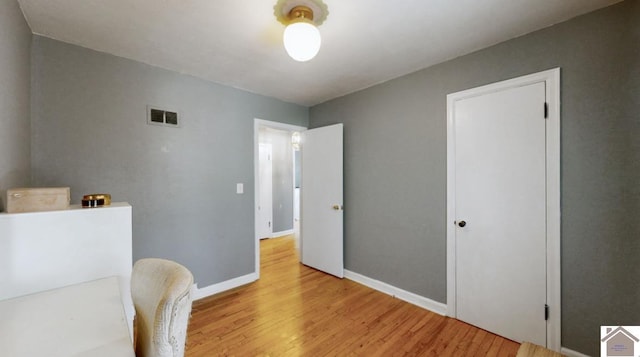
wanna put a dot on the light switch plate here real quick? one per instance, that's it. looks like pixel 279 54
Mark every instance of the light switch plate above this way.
pixel 239 188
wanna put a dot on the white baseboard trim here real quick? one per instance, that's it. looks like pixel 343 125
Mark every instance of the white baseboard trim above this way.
pixel 223 286
pixel 420 301
pixel 571 353
pixel 281 233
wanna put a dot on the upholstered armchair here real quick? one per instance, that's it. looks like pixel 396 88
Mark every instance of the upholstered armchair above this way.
pixel 161 293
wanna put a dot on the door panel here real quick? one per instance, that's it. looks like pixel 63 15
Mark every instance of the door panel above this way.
pixel 500 184
pixel 321 199
pixel 265 205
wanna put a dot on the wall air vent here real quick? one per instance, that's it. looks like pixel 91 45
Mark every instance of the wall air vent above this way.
pixel 164 117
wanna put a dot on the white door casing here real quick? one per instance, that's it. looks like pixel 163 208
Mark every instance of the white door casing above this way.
pixel 322 199
pixel 265 204
pixel 503 181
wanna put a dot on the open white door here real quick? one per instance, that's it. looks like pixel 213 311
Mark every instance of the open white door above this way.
pixel 321 200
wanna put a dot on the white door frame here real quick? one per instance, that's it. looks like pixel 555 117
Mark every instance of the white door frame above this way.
pixel 257 124
pixel 552 79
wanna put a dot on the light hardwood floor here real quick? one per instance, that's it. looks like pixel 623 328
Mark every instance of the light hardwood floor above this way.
pixel 294 310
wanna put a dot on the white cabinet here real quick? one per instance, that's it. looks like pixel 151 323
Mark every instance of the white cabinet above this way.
pixel 47 250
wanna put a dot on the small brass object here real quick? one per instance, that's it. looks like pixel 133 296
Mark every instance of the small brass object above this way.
pixel 98 196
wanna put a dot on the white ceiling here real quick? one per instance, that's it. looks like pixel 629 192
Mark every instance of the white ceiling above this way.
pixel 238 42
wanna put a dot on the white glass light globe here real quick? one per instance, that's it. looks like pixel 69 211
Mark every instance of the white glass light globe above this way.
pixel 302 41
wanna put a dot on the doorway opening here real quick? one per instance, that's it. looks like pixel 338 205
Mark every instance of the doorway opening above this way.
pixel 276 203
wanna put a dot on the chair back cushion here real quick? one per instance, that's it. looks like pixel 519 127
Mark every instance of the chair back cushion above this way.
pixel 161 294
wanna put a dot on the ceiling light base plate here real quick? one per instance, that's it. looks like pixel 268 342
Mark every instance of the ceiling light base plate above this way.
pixel 283 8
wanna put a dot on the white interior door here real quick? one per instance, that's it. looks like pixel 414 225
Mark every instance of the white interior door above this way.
pixel 265 204
pixel 321 199
pixel 500 212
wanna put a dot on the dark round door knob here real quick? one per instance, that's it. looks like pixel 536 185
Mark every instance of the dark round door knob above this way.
pixel 462 223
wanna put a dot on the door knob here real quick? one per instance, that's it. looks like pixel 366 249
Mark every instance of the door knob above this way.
pixel 337 207
pixel 462 223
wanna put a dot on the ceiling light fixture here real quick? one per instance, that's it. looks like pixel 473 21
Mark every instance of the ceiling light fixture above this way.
pixel 296 139
pixel 301 36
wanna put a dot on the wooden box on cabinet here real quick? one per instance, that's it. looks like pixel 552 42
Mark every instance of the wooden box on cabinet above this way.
pixel 38 199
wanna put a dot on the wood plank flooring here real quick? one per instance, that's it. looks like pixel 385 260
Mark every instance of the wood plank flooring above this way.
pixel 294 310
pixel 528 349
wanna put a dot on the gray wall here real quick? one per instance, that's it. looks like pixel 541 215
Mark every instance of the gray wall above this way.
pixel 395 167
pixel 282 180
pixel 15 44
pixel 90 133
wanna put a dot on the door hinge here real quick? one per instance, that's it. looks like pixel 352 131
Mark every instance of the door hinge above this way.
pixel 546 110
pixel 269 224
pixel 546 312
